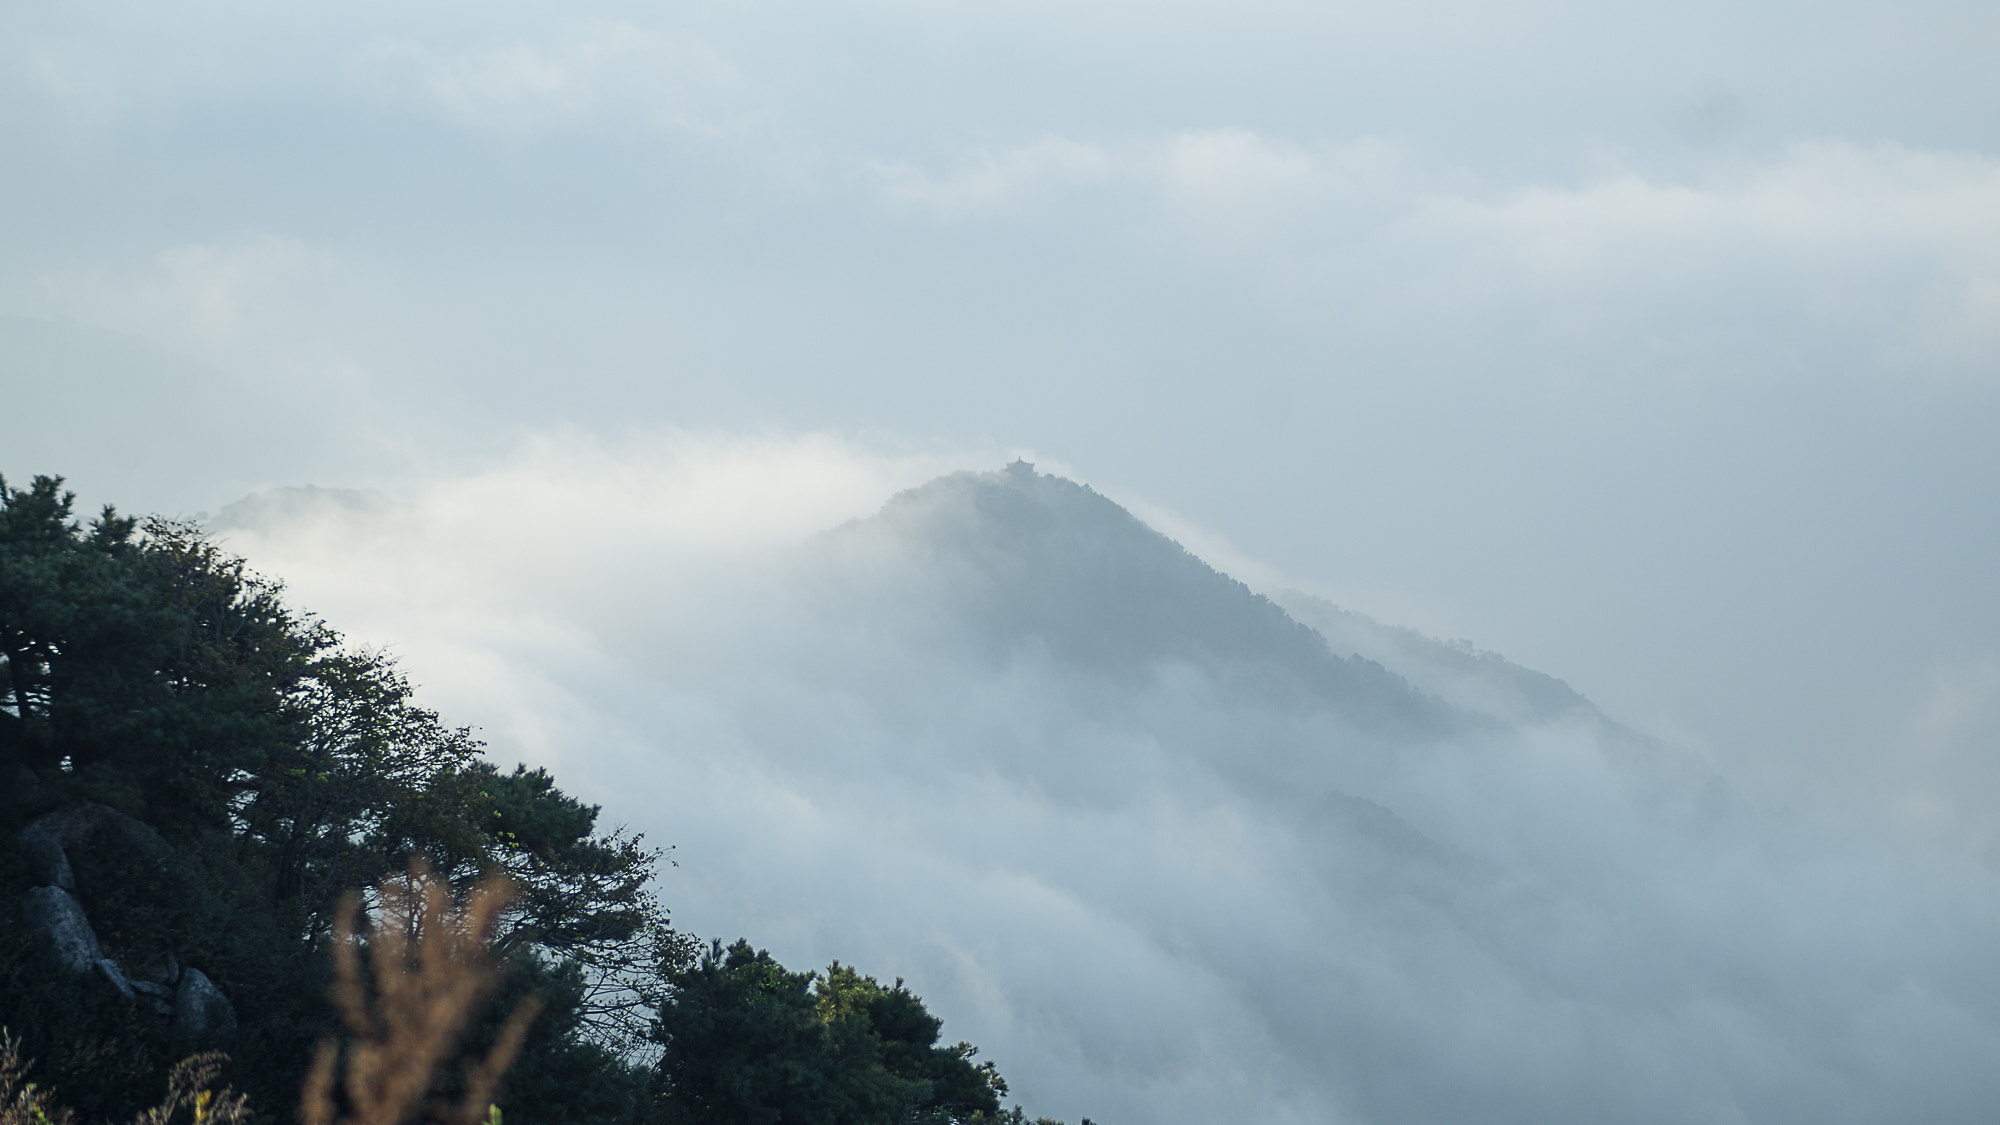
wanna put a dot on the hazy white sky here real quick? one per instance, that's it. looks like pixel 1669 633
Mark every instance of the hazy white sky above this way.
pixel 1657 346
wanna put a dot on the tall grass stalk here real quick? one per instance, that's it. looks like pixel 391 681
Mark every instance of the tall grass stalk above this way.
pixel 430 968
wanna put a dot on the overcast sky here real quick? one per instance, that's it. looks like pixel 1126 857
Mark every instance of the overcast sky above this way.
pixel 1656 346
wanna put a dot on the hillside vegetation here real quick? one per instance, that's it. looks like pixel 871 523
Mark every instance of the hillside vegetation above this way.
pixel 195 773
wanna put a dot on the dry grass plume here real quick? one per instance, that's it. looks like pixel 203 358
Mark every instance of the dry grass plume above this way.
pixel 430 968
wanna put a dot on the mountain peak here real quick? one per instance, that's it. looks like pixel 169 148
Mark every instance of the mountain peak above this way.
pixel 1040 564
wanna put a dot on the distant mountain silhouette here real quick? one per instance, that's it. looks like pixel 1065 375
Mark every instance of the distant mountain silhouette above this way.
pixel 1038 563
pixel 275 507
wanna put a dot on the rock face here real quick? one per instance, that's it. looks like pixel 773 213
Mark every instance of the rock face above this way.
pixel 200 1008
pixel 47 860
pixel 186 996
pixel 55 912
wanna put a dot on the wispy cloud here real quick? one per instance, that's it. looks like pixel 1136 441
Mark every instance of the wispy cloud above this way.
pixel 1894 248
pixel 590 73
pixel 1234 188
pixel 1908 240
pixel 995 181
pixel 211 297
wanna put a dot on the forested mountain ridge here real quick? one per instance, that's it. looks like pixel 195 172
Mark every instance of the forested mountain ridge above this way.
pixel 194 773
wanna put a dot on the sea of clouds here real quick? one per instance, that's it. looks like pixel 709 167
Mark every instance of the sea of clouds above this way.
pixel 1151 889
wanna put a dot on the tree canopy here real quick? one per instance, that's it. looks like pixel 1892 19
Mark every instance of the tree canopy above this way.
pixel 748 1042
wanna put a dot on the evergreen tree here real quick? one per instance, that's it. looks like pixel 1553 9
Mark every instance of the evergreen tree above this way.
pixel 748 1042
pixel 256 768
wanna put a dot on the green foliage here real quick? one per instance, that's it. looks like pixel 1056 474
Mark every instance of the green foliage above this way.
pixel 366 780
pixel 748 1042
pixel 259 768
pixel 564 1074
pixel 269 768
pixel 149 672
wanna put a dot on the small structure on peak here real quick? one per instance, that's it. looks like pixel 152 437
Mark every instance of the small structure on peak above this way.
pixel 1020 469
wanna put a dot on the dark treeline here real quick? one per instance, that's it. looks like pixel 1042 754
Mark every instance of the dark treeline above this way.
pixel 194 774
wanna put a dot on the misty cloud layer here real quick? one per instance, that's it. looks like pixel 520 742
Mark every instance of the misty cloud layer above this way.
pixel 1137 831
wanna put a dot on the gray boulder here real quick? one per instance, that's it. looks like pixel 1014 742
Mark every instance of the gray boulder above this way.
pixel 54 910
pixel 48 862
pixel 57 914
pixel 200 1008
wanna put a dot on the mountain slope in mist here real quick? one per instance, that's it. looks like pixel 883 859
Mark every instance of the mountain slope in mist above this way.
pixel 1483 682
pixel 1173 852
pixel 1042 566
pixel 1019 569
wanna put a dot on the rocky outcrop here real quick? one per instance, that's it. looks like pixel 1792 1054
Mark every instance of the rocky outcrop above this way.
pixel 55 912
pixel 200 1008
pixel 48 860
pixel 195 1006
